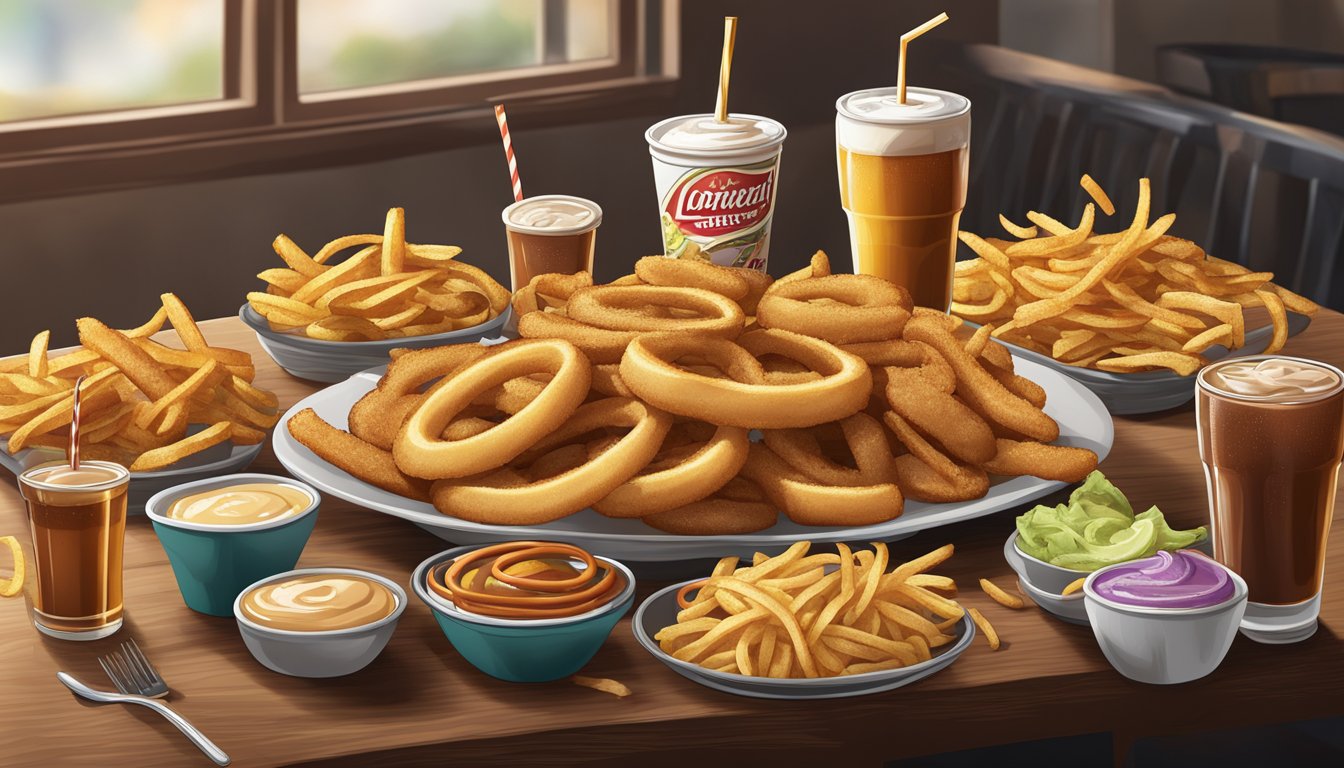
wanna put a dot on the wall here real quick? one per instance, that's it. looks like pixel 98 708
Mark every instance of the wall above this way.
pixel 109 255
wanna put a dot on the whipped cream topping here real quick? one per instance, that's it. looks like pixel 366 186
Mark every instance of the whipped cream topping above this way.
pixel 703 132
pixel 1272 379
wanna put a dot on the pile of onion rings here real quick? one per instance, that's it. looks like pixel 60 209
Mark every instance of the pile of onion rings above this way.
pixel 636 399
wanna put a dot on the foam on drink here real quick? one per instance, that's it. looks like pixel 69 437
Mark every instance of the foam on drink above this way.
pixel 550 233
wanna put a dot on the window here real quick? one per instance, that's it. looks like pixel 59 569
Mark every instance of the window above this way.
pixel 61 58
pixel 83 77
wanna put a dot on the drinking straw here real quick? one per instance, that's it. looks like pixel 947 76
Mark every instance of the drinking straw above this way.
pixel 503 121
pixel 905 40
pixel 725 68
pixel 74 425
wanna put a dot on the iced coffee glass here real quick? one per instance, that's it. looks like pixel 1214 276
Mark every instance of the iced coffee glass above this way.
pixel 902 171
pixel 78 521
pixel 1271 440
pixel 550 233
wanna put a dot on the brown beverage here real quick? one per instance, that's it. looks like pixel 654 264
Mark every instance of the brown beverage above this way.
pixel 78 519
pixel 904 212
pixel 1271 435
pixel 550 233
pixel 903 173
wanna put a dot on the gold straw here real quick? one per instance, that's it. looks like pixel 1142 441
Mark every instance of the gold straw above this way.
pixel 905 40
pixel 726 68
pixel 74 424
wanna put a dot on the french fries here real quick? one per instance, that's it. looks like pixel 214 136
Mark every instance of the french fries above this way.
pixel 823 615
pixel 1136 300
pixel 14 584
pixel 141 399
pixel 389 288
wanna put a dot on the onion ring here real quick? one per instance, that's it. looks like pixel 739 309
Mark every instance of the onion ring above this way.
pixel 637 308
pixel 679 273
pixel 736 508
pixel 509 496
pixel 862 308
pixel 600 345
pixel 865 438
pixel 525 596
pixel 922 482
pixel 376 417
pixel 981 391
pixel 548 291
pixel 942 417
pixel 808 503
pixel 679 476
pixel 745 400
pixel 418 449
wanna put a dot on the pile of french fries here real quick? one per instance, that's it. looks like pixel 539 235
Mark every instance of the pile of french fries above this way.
pixel 142 403
pixel 820 615
pixel 1134 300
pixel 389 288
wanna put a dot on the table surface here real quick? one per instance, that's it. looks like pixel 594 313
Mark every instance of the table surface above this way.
pixel 420 703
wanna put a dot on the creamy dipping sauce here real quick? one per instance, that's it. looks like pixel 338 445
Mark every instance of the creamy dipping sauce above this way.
pixel 318 602
pixel 241 504
pixel 1179 579
pixel 1273 380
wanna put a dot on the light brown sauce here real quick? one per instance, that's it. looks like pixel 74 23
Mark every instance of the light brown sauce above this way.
pixel 317 602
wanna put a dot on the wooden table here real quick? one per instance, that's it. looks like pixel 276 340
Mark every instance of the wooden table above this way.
pixel 422 704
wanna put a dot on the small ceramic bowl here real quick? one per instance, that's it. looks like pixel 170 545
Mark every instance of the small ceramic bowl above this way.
pixel 1164 645
pixel 1042 575
pixel 524 650
pixel 214 563
pixel 326 653
pixel 333 361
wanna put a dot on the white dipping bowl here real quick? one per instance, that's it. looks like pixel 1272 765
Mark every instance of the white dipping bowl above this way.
pixel 325 653
pixel 1164 646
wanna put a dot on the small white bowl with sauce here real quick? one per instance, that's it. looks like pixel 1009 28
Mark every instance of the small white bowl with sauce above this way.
pixel 319 622
pixel 219 546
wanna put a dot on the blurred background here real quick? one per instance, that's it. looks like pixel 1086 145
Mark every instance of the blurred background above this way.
pixel 161 145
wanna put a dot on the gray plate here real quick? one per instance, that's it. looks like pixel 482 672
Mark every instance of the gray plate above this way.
pixel 222 459
pixel 332 361
pixel 1152 391
pixel 660 610
pixel 1083 422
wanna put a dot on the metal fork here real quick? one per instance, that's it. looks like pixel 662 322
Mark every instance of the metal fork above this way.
pixel 139 683
pixel 132 673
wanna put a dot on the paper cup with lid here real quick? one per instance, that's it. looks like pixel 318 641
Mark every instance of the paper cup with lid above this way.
pixel 716 186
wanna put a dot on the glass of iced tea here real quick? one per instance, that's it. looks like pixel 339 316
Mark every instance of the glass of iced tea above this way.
pixel 78 520
pixel 1271 435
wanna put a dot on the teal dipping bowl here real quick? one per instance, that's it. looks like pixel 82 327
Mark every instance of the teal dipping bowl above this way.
pixel 524 650
pixel 214 563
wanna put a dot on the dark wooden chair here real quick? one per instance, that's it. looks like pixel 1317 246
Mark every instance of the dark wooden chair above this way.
pixel 1262 193
pixel 1287 84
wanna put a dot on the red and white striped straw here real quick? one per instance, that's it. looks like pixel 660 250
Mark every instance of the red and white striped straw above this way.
pixel 503 121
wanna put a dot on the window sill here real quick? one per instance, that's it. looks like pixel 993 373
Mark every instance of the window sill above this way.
pixel 314 144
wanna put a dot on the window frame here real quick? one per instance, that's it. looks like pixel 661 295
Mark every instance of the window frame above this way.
pixel 262 126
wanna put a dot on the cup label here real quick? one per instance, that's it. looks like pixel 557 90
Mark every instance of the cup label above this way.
pixel 721 215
